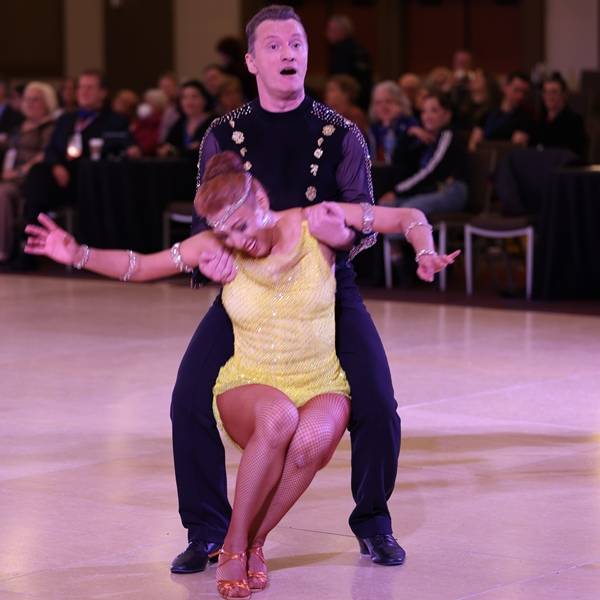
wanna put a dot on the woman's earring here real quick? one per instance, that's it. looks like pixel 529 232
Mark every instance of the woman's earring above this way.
pixel 266 218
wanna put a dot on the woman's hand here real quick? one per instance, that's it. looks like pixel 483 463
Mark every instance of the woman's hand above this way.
pixel 421 134
pixel 430 264
pixel 51 241
pixel 218 265
pixel 326 222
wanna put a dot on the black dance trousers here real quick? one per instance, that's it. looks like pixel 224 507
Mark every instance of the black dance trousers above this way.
pixel 374 422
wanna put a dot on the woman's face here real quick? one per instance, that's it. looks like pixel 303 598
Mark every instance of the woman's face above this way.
pixel 434 116
pixel 34 105
pixel 385 107
pixel 245 229
pixel 334 96
pixel 192 102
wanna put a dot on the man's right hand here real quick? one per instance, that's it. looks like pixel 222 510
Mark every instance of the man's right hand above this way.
pixel 217 265
pixel 61 175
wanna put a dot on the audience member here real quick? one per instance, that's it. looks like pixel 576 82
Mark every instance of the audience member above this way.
pixel 348 57
pixel 341 93
pixel 51 184
pixel 391 118
pixel 213 77
pixel 462 65
pixel 10 119
pixel 410 84
pixel 125 103
pixel 185 136
pixel 439 170
pixel 232 53
pixel 483 96
pixel 230 95
pixel 145 129
pixel 15 98
pixel 559 126
pixel 25 149
pixel 510 121
pixel 169 85
pixel 67 95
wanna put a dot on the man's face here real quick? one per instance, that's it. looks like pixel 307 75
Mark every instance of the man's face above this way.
pixel 516 91
pixel 553 96
pixel 279 59
pixel 90 94
pixel 168 85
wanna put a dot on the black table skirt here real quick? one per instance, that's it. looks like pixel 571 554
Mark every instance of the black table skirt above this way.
pixel 568 232
pixel 121 202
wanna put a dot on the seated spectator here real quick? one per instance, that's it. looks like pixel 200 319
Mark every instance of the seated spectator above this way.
pixel 462 65
pixel 441 79
pixel 348 57
pixel 185 136
pixel 51 183
pixel 145 129
pixel 125 103
pixel 15 97
pixel 438 182
pixel 213 77
pixel 232 51
pixel 483 96
pixel 410 84
pixel 10 119
pixel 341 93
pixel 67 96
pixel 26 146
pixel 169 86
pixel 510 121
pixel 559 125
pixel 230 95
pixel 391 119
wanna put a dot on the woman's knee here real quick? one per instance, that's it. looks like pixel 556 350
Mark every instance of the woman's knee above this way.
pixel 276 419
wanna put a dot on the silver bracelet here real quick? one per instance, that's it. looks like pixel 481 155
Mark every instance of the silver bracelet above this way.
pixel 86 256
pixel 368 216
pixel 421 253
pixel 131 268
pixel 414 224
pixel 178 260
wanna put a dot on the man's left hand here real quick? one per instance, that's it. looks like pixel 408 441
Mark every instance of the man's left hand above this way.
pixel 326 222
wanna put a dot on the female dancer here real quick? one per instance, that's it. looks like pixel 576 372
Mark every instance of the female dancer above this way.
pixel 282 397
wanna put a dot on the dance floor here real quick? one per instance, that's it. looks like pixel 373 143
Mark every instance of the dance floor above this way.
pixel 498 490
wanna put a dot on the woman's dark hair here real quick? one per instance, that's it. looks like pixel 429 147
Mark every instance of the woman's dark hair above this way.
pixel 444 100
pixel 199 87
pixel 556 77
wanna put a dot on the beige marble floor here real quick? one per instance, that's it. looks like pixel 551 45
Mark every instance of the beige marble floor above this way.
pixel 498 492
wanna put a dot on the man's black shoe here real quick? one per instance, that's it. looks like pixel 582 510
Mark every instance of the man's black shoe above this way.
pixel 195 557
pixel 383 549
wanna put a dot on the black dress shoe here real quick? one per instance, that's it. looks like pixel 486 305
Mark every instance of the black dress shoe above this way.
pixel 383 549
pixel 195 557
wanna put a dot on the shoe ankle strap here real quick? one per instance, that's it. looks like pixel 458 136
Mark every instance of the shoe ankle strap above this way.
pixel 231 555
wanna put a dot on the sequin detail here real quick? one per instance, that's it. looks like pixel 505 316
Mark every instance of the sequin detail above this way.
pixel 282 310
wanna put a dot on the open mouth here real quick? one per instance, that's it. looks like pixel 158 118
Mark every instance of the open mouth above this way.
pixel 250 246
pixel 288 71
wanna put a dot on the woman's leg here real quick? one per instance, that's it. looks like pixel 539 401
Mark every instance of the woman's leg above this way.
pixel 262 420
pixel 322 423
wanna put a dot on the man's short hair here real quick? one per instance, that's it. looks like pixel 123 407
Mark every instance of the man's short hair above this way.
pixel 556 77
pixel 275 12
pixel 518 75
pixel 99 75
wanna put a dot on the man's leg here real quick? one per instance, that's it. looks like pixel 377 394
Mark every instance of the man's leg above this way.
pixel 374 423
pixel 197 448
pixel 451 198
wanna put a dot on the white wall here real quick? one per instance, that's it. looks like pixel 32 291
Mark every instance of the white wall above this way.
pixel 199 24
pixel 84 35
pixel 572 37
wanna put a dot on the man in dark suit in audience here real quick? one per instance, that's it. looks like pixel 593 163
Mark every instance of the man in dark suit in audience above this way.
pixel 10 119
pixel 51 183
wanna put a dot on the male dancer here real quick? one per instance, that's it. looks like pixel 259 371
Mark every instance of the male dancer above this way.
pixel 303 153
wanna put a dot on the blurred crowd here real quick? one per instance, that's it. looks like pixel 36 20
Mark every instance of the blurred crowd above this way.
pixel 423 125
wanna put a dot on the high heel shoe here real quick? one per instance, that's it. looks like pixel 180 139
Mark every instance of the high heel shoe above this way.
pixel 233 589
pixel 257 580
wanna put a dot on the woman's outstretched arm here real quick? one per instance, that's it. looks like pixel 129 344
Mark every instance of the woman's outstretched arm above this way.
pixel 409 221
pixel 48 239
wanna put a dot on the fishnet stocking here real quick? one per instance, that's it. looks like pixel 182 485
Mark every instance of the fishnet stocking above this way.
pixel 322 423
pixel 262 420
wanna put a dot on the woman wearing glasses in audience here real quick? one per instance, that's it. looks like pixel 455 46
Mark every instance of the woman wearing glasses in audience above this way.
pixel 283 396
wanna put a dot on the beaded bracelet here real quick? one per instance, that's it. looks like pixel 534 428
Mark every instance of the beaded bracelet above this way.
pixel 86 256
pixel 368 216
pixel 131 268
pixel 178 260
pixel 421 253
pixel 414 224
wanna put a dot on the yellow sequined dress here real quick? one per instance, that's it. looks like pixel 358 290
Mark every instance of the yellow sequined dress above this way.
pixel 282 311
